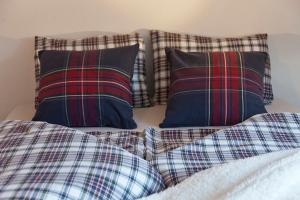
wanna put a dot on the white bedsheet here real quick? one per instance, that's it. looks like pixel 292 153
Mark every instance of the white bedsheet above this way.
pixel 144 117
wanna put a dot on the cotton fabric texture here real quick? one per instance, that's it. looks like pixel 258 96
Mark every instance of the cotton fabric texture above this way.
pixel 214 88
pixel 138 80
pixel 49 161
pixel 87 88
pixel 197 43
pixel 260 134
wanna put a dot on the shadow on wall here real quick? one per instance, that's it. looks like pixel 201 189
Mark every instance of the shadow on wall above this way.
pixel 16 73
pixel 17 83
pixel 285 61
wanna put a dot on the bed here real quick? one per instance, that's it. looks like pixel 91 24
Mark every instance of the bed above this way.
pixel 249 155
pixel 184 160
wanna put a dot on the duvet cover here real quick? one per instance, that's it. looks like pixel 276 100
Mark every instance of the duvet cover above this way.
pixel 45 161
pixel 258 135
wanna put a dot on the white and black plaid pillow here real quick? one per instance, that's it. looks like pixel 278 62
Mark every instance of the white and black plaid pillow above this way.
pixel 193 43
pixel 139 87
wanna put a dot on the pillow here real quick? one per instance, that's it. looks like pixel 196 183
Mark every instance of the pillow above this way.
pixel 193 43
pixel 138 81
pixel 87 88
pixel 214 88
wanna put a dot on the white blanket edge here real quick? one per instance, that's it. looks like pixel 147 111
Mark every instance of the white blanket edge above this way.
pixel 269 176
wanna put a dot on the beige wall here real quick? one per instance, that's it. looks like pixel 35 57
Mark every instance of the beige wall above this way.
pixel 20 20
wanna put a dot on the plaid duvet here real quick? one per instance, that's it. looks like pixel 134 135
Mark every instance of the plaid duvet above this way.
pixel 193 43
pixel 158 142
pixel 44 161
pixel 131 141
pixel 258 135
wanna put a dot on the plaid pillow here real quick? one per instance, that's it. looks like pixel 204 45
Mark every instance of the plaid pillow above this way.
pixel 87 88
pixel 138 81
pixel 193 43
pixel 214 88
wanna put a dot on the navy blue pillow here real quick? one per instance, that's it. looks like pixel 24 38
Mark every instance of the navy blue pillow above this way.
pixel 214 88
pixel 87 88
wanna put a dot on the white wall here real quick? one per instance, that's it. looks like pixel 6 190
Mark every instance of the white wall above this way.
pixel 20 20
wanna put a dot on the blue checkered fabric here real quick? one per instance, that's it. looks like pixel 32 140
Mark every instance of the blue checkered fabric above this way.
pixel 157 142
pixel 44 161
pixel 131 141
pixel 258 135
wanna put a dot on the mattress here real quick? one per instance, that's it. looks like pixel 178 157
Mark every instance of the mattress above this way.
pixel 144 117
